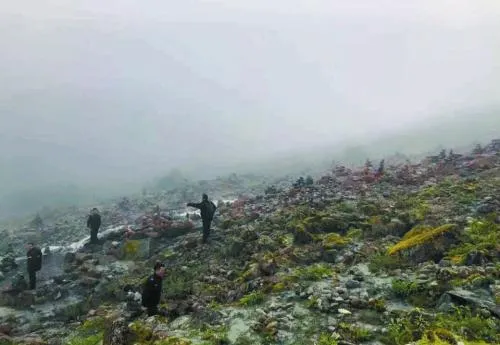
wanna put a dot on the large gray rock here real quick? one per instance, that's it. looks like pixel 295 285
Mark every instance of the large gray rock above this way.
pixel 117 333
pixel 21 300
pixel 461 296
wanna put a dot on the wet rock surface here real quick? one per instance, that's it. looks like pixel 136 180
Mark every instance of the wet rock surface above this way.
pixel 407 255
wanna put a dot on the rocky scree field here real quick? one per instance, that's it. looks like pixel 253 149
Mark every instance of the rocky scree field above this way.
pixel 410 256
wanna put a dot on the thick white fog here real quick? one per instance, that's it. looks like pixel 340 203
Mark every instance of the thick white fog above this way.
pixel 109 91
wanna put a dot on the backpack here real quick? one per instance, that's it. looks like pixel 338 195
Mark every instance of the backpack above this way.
pixel 211 209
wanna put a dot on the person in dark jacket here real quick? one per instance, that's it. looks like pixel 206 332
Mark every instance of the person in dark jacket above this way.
pixel 151 292
pixel 34 263
pixel 207 210
pixel 94 223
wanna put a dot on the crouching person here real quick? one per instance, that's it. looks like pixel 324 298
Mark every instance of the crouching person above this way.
pixel 151 293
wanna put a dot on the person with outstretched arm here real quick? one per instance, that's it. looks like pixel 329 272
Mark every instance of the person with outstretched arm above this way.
pixel 207 210
pixel 151 293
pixel 34 263
pixel 94 223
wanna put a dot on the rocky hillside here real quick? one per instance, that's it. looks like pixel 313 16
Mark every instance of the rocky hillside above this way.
pixel 408 254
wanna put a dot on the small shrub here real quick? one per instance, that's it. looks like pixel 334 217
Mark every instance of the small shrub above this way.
pixel 406 328
pixel 475 280
pixel 443 329
pixel 354 333
pixel 470 325
pixel 326 339
pixel 312 302
pixel 369 208
pixel 334 240
pixel 313 273
pixel 382 262
pixel 251 299
pixel 217 335
pixel 286 240
pixel 354 234
pixel 94 324
pixel 404 288
pixel 377 305
pixel 420 211
pixel 141 331
pixel 481 235
pixel 176 286
pixel 279 287
pixel 180 284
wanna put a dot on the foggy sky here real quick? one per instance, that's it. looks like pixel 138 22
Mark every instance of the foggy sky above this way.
pixel 92 89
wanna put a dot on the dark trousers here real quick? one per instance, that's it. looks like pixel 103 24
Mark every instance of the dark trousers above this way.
pixel 32 277
pixel 93 236
pixel 206 229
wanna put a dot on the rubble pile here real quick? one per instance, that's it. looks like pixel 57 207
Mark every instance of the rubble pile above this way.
pixel 393 254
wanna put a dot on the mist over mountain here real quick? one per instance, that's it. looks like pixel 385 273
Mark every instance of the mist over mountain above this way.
pixel 97 99
pixel 57 188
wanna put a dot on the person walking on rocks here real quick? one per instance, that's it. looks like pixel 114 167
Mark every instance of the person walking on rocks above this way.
pixel 207 210
pixel 34 263
pixel 94 223
pixel 151 293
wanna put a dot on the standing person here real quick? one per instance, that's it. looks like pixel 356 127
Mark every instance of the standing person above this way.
pixel 94 223
pixel 34 263
pixel 207 210
pixel 151 293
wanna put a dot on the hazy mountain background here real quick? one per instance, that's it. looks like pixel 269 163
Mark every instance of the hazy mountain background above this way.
pixel 99 98
pixel 457 131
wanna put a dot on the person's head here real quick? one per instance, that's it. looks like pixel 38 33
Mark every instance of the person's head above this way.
pixel 95 210
pixel 29 245
pixel 159 269
pixel 204 197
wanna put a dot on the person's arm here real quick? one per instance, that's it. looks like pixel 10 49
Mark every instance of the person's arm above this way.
pixel 195 205
pixel 88 221
pixel 98 221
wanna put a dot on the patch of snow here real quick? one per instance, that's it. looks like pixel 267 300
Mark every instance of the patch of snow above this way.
pixel 186 211
pixel 73 247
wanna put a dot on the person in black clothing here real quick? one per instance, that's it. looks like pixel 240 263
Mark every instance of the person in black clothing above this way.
pixel 34 263
pixel 94 223
pixel 207 210
pixel 151 292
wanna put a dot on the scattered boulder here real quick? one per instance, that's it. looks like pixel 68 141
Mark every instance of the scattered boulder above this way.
pixel 21 300
pixel 461 296
pixel 117 333
pixel 477 258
